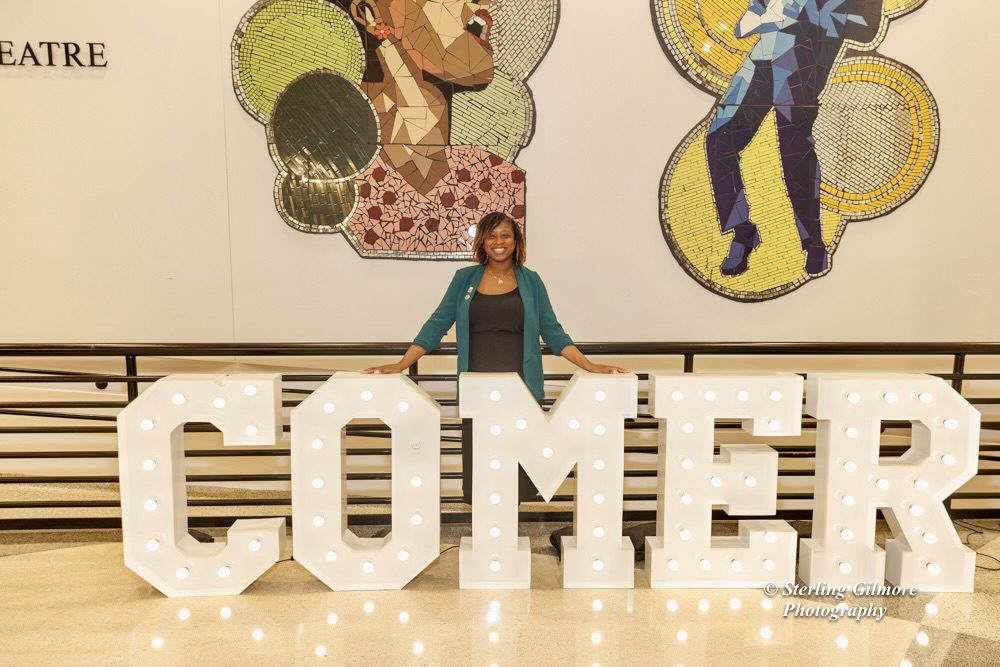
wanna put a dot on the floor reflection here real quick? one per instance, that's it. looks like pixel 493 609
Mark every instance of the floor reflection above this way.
pixel 82 605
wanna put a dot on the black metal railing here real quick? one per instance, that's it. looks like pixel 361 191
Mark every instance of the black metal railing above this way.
pixel 949 361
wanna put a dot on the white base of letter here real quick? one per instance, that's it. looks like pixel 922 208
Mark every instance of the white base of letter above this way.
pixel 580 567
pixel 514 571
pixel 903 565
pixel 763 552
pixel 867 565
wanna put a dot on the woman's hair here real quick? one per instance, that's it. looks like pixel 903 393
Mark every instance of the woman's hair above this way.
pixel 485 227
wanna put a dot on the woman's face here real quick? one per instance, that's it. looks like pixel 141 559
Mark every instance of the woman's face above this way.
pixel 449 39
pixel 500 243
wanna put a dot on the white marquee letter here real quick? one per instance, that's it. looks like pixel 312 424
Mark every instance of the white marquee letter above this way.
pixel 585 428
pixel 324 544
pixel 247 409
pixel 851 482
pixel 743 479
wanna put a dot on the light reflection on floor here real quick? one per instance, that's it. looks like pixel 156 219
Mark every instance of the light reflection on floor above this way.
pixel 80 605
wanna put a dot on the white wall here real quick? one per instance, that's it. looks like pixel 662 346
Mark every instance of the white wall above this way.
pixel 113 182
pixel 135 202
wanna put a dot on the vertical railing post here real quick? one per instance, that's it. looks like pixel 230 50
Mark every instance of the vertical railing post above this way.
pixel 131 370
pixel 958 367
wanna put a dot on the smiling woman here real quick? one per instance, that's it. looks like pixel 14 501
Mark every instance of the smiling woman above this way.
pixel 408 138
pixel 500 309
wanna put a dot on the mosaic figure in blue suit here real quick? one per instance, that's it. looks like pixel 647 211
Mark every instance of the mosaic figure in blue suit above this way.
pixel 787 71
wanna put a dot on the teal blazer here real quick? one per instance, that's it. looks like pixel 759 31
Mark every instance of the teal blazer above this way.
pixel 539 320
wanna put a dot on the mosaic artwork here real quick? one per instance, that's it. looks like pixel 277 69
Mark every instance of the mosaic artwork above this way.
pixel 812 129
pixel 394 122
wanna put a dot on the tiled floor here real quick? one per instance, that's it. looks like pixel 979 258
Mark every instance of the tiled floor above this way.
pixel 79 605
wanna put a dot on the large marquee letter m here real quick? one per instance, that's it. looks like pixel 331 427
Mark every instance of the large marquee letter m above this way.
pixel 586 429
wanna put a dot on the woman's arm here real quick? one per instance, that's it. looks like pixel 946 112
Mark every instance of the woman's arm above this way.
pixel 573 353
pixel 548 325
pixel 560 342
pixel 430 334
pixel 413 353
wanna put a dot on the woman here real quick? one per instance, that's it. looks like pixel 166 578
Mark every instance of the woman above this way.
pixel 420 196
pixel 500 309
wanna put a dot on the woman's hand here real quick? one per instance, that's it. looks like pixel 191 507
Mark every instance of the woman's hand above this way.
pixel 413 353
pixel 573 354
pixel 607 369
pixel 388 369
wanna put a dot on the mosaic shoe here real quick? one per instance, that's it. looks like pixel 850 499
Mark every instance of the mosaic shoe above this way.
pixel 817 260
pixel 745 240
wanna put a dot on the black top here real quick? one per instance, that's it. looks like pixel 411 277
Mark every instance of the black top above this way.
pixel 496 345
pixel 496 333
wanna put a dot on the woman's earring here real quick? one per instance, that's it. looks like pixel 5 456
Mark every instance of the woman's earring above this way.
pixel 382 31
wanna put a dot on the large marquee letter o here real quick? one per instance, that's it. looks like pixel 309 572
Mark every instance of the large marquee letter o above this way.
pixel 323 543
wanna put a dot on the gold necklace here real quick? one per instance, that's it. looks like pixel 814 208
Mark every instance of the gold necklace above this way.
pixel 496 277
